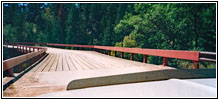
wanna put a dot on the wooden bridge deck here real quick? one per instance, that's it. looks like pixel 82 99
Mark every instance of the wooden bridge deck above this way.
pixel 62 66
pixel 76 60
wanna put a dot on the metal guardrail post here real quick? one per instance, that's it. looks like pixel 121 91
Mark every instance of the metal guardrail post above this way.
pixel 109 52
pixel 132 56
pixel 165 61
pixel 195 65
pixel 145 58
pixel 115 53
pixel 122 55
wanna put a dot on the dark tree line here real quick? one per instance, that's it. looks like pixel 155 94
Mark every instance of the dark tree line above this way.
pixel 180 26
pixel 63 23
pixel 161 26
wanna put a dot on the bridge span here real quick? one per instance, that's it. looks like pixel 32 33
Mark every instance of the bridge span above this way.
pixel 61 66
pixel 55 68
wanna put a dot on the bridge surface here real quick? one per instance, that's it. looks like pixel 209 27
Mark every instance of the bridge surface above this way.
pixel 61 66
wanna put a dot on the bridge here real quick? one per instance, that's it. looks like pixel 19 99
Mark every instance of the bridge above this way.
pixel 44 67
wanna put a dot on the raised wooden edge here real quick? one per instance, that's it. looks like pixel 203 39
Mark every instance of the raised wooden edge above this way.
pixel 142 77
pixel 10 63
pixel 22 73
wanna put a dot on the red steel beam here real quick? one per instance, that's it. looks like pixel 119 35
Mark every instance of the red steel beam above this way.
pixel 179 54
pixel 70 45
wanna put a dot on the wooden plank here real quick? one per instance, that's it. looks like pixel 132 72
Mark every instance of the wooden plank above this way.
pixel 121 62
pixel 47 67
pixel 40 69
pixel 75 62
pixel 101 60
pixel 55 63
pixel 80 62
pixel 59 66
pixel 10 63
pixel 89 65
pixel 70 64
pixel 108 61
pixel 92 62
pixel 65 65
pixel 141 77
pixel 40 64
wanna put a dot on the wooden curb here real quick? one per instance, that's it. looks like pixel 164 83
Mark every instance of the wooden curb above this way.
pixel 22 73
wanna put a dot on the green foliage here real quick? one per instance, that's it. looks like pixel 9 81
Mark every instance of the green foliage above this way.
pixel 9 33
pixel 128 42
pixel 189 64
pixel 177 26
pixel 119 44
pixel 169 26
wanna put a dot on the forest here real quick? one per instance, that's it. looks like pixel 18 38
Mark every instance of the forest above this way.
pixel 171 26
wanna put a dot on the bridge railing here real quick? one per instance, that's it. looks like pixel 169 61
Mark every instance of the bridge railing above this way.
pixel 186 55
pixel 194 56
pixel 32 53
pixel 70 45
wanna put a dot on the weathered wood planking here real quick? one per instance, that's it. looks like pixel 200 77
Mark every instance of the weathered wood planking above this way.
pixel 47 68
pixel 54 64
pixel 44 64
pixel 40 64
pixel 70 63
pixel 76 60
pixel 59 66
pixel 77 63
pixel 65 65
